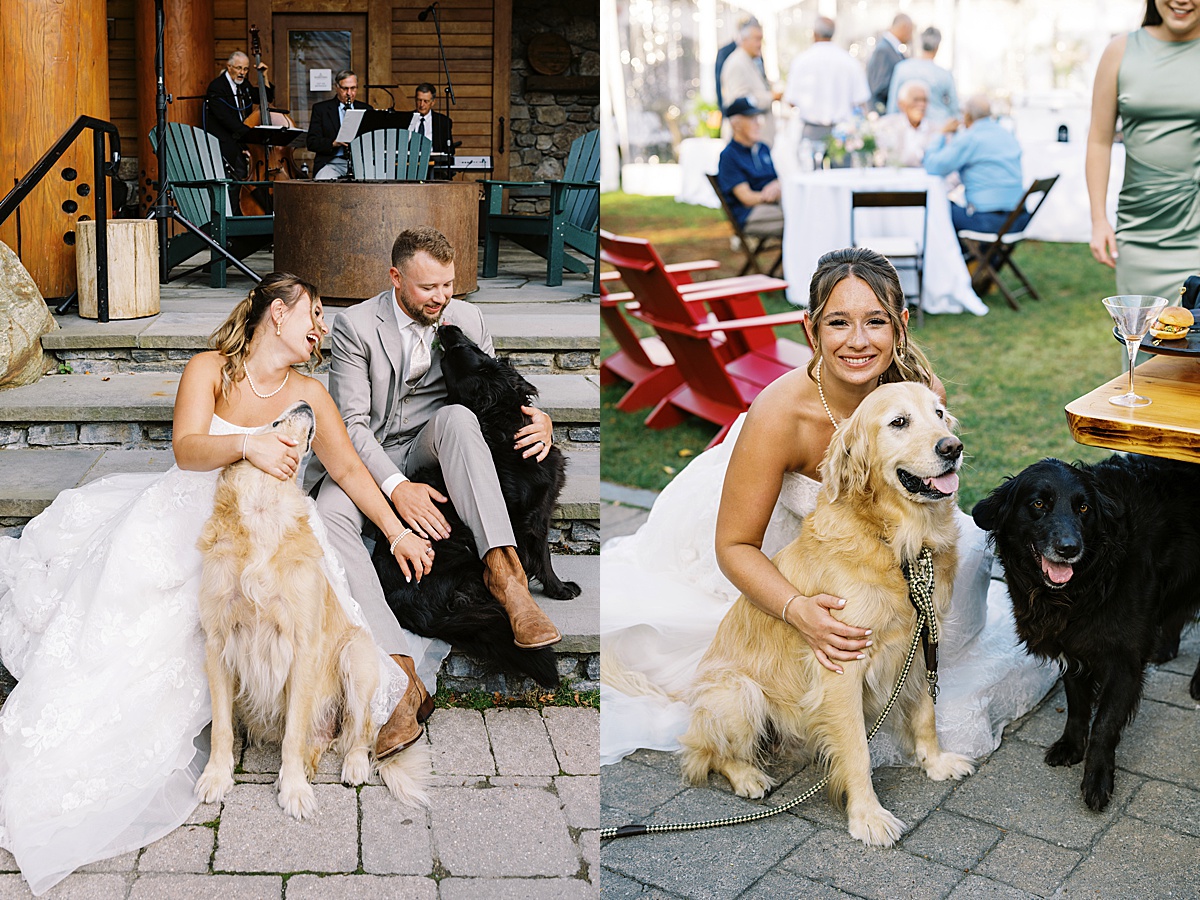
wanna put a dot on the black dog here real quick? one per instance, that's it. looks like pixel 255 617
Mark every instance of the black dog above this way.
pixel 451 602
pixel 1103 572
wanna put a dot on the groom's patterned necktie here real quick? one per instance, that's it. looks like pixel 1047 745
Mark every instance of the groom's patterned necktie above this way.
pixel 418 357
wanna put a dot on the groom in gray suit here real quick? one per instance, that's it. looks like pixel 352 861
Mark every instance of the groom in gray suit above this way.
pixel 386 379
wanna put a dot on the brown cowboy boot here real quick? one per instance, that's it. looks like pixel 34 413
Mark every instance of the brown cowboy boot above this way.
pixel 506 580
pixel 404 728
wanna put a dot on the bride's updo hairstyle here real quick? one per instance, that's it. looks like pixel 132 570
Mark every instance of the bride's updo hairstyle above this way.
pixel 233 337
pixel 908 362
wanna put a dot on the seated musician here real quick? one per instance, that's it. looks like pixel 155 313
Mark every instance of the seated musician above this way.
pixel 229 100
pixel 333 157
pixel 433 125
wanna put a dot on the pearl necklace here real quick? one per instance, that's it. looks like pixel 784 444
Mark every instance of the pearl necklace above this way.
pixel 820 391
pixel 250 381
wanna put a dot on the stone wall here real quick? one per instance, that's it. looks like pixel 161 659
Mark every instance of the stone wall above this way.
pixel 542 124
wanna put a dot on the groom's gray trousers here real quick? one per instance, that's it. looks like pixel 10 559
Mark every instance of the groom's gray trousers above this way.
pixel 451 439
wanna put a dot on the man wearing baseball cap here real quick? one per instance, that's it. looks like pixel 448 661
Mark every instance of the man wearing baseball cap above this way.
pixel 746 174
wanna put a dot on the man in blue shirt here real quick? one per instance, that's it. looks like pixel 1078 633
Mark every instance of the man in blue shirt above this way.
pixel 988 160
pixel 746 174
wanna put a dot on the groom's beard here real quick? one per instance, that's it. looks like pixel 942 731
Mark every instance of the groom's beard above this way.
pixel 417 311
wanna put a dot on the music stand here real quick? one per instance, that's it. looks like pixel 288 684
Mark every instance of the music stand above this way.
pixel 273 135
pixel 162 210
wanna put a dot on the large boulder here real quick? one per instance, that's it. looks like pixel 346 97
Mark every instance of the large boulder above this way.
pixel 24 318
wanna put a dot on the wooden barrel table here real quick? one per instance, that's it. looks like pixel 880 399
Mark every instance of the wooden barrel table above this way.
pixel 339 234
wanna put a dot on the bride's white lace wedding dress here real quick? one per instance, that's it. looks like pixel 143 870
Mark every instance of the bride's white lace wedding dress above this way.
pixel 103 738
pixel 663 596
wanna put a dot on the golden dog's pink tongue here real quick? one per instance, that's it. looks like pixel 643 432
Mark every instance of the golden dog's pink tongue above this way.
pixel 1059 573
pixel 946 484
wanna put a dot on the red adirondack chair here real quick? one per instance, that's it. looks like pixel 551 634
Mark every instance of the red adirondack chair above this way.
pixel 645 363
pixel 723 344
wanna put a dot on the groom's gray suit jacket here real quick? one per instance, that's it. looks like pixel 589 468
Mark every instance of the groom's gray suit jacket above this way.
pixel 367 381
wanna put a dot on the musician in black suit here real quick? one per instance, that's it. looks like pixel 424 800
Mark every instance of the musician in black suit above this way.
pixel 333 157
pixel 433 125
pixel 228 101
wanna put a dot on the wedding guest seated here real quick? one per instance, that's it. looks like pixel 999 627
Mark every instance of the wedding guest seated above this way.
pixel 746 174
pixel 905 136
pixel 987 159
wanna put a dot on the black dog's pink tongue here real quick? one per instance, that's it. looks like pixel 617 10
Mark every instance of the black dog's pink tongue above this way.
pixel 946 484
pixel 1059 573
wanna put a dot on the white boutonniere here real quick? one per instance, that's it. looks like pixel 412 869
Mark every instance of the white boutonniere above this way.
pixel 437 340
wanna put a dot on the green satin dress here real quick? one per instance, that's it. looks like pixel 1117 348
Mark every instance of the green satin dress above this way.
pixel 1158 213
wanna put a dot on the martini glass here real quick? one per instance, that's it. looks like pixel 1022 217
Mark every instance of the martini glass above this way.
pixel 1133 314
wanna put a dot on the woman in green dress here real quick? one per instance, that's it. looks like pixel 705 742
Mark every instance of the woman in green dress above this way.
pixel 1147 77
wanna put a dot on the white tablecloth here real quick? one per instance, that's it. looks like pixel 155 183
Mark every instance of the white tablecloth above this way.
pixel 698 157
pixel 816 208
pixel 1066 216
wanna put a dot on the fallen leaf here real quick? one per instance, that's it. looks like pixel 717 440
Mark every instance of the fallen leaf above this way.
pixel 685 453
pixel 670 470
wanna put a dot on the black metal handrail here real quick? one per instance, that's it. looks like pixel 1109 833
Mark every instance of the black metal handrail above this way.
pixel 42 168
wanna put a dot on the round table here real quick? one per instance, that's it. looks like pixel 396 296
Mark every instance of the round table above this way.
pixel 816 212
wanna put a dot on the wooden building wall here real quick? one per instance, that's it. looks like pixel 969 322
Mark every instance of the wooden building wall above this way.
pixel 478 36
pixel 122 76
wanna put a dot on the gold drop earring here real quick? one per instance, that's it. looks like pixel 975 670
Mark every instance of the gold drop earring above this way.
pixel 278 328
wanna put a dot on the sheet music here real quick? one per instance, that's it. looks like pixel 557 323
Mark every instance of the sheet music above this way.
pixel 350 126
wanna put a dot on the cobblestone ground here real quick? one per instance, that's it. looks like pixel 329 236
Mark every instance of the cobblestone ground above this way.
pixel 1015 829
pixel 515 808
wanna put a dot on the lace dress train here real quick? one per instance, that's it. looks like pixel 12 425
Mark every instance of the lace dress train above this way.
pixel 663 596
pixel 103 738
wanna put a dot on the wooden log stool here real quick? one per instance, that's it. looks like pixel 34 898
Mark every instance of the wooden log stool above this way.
pixel 132 269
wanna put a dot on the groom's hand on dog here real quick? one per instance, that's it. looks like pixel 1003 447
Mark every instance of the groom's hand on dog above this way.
pixel 414 503
pixel 535 438
pixel 829 638
pixel 275 454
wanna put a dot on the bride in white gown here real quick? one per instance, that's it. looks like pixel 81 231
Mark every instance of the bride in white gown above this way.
pixel 103 738
pixel 711 533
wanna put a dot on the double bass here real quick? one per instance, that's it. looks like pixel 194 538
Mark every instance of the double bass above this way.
pixel 267 162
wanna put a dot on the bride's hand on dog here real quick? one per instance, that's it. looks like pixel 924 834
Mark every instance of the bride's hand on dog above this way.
pixel 414 555
pixel 829 638
pixel 274 454
pixel 414 503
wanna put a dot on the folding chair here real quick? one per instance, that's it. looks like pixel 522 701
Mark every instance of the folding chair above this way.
pixel 988 253
pixel 751 245
pixel 903 250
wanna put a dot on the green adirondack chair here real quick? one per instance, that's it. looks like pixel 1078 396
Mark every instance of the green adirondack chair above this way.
pixel 200 189
pixel 391 154
pixel 573 220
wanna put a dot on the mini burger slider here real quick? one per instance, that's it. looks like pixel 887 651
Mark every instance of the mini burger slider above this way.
pixel 1172 324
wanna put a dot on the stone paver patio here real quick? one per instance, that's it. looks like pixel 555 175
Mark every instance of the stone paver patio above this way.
pixel 1016 829
pixel 515 813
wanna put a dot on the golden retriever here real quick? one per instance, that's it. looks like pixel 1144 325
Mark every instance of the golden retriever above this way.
pixel 889 478
pixel 278 643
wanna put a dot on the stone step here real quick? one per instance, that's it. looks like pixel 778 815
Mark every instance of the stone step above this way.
pixel 134 410
pixel 577 620
pixel 535 337
pixel 31 479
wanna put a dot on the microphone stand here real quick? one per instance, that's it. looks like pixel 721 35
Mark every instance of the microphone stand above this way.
pixel 449 96
pixel 162 211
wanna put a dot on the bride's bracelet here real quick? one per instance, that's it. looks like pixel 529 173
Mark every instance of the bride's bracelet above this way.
pixel 397 539
pixel 787 603
pixel 245 438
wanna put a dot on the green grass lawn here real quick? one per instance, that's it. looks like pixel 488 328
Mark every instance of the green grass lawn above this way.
pixel 1008 374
